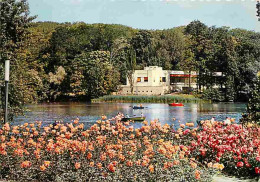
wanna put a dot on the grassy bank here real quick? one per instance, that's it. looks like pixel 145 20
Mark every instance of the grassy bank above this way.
pixel 149 99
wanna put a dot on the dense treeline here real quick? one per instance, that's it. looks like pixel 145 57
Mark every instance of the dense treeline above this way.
pixel 52 61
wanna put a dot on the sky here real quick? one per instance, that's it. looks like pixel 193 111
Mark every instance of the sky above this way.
pixel 149 14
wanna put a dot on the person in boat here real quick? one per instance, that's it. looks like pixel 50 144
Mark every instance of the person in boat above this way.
pixel 212 120
pixel 227 121
pixel 142 115
pixel 141 105
pixel 56 123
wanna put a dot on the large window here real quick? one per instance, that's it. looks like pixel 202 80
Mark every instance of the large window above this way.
pixel 162 79
pixel 138 79
pixel 145 79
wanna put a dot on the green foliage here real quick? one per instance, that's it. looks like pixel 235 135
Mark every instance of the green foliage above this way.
pixel 86 51
pixel 253 106
pixel 99 76
pixel 14 23
pixel 213 94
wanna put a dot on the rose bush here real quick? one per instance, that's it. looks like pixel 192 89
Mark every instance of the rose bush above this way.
pixel 107 151
pixel 236 146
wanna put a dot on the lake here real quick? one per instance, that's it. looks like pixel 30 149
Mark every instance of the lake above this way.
pixel 90 112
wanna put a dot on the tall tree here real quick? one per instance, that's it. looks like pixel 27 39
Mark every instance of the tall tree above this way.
pixel 201 47
pixel 189 64
pixel 141 43
pixel 99 76
pixel 131 66
pixel 14 21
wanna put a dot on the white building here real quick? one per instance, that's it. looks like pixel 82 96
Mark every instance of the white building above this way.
pixel 153 80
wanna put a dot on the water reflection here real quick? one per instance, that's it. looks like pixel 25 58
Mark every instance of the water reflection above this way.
pixel 90 112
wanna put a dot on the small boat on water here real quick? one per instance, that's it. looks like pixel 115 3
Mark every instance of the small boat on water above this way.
pixel 176 104
pixel 138 119
pixel 138 107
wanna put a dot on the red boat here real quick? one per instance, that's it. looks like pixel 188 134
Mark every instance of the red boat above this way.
pixel 176 104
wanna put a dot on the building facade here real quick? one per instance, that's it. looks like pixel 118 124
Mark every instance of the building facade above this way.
pixel 153 80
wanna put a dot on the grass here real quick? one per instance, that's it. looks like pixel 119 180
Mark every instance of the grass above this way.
pixel 149 99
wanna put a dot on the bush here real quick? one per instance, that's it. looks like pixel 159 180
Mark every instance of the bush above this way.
pixel 253 106
pixel 149 99
pixel 213 94
pixel 235 146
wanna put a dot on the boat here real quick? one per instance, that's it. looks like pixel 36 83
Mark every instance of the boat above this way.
pixel 176 104
pixel 139 119
pixel 138 107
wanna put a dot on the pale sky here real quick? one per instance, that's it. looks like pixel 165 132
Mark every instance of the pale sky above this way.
pixel 150 14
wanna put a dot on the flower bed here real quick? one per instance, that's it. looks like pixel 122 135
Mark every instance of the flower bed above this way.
pixel 105 152
pixel 235 146
pixel 115 151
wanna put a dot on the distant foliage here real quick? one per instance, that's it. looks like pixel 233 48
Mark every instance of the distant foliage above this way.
pixel 85 51
pixel 149 99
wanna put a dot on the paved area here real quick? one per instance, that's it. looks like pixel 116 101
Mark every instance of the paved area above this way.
pixel 221 178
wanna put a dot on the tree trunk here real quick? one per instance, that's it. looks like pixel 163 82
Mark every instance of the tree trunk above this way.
pixel 130 78
pixel 189 78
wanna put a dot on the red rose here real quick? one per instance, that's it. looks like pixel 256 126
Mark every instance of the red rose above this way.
pixel 240 164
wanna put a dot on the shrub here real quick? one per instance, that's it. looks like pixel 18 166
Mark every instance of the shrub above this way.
pixel 213 94
pixel 155 99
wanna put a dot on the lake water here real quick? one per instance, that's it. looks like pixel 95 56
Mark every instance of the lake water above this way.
pixel 90 112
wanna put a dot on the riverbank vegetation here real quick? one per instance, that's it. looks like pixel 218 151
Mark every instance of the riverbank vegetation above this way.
pixel 115 151
pixel 59 61
pixel 150 99
pixel 253 106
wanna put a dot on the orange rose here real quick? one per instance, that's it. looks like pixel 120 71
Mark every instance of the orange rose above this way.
pixel 197 174
pixel 77 165
pixel 42 168
pixel 99 165
pixel 47 163
pixel 111 168
pixel 89 155
pixel 151 168
pixel 129 163
pixel 91 164
pixel 26 164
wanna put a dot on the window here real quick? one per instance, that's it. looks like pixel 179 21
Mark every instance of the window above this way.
pixel 138 79
pixel 162 79
pixel 145 79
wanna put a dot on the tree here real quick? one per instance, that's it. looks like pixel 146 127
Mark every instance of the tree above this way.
pixel 14 21
pixel 100 78
pixel 167 48
pixel 55 81
pixel 201 48
pixel 141 43
pixel 253 106
pixel 130 66
pixel 123 54
pixel 188 64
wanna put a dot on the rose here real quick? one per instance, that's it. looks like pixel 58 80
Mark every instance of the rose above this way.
pixel 257 170
pixel 240 164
